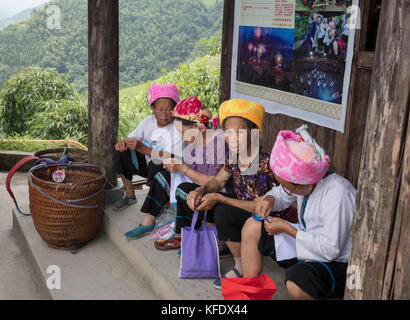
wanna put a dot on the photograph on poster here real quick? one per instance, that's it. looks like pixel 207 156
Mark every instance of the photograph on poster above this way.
pixel 295 56
pixel 320 50
pixel 265 57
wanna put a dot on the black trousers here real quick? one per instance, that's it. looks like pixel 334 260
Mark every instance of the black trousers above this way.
pixel 229 220
pixel 321 280
pixel 266 247
pixel 132 162
pixel 158 180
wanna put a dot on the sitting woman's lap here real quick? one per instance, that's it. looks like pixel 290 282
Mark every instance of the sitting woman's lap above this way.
pixel 185 214
pixel 229 222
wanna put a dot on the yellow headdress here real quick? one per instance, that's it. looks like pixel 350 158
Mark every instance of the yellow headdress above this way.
pixel 242 108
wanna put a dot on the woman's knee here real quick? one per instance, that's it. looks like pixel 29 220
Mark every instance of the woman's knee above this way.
pixel 251 230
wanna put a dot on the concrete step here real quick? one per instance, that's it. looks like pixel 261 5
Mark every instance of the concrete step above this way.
pixel 161 268
pixel 96 271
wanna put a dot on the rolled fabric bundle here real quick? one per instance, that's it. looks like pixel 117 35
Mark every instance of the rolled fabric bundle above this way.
pixel 297 161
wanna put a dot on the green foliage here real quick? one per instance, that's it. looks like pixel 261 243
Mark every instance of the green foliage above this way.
pixel 24 95
pixel 61 119
pixel 47 107
pixel 212 45
pixel 199 79
pixel 154 35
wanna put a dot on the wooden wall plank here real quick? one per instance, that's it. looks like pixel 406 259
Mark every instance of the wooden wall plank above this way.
pixel 377 232
pixel 401 266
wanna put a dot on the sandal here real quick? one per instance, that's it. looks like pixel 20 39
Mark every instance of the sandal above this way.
pixel 161 241
pixel 169 244
pixel 217 283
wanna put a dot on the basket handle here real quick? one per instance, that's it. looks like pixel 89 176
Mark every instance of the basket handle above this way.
pixel 10 175
pixel 68 202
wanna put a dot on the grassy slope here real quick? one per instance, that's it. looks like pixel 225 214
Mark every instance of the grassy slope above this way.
pixel 128 95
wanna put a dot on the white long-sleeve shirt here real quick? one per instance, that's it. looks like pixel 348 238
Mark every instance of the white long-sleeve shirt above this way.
pixel 328 216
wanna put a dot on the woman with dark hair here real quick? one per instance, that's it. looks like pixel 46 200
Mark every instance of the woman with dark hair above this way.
pixel 321 240
pixel 248 167
pixel 134 152
pixel 191 119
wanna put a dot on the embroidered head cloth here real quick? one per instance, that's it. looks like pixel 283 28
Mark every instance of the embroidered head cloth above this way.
pixel 242 108
pixel 156 91
pixel 192 109
pixel 297 161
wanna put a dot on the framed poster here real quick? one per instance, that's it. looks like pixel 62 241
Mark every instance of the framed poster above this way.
pixel 294 57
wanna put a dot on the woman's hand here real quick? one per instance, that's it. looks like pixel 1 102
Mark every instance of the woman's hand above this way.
pixel 132 143
pixel 174 165
pixel 209 201
pixel 264 206
pixel 194 198
pixel 127 143
pixel 121 146
pixel 275 226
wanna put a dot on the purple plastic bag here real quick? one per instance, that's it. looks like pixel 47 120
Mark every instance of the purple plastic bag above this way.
pixel 199 251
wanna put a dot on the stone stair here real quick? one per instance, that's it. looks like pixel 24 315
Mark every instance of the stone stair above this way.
pixel 112 267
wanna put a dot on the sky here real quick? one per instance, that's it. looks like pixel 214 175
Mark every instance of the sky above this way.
pixel 11 7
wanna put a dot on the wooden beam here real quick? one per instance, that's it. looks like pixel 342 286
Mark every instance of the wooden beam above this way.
pixel 226 55
pixel 380 232
pixel 103 84
pixel 364 60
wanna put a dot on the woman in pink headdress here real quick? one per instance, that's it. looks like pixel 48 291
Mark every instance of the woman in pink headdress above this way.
pixel 318 247
pixel 134 153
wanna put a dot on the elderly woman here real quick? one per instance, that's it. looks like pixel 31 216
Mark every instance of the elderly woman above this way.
pixel 325 207
pixel 250 173
pixel 191 119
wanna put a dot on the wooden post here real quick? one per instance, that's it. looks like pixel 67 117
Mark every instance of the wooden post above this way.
pixel 381 229
pixel 226 56
pixel 103 84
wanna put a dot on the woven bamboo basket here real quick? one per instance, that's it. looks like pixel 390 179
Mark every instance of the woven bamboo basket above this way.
pixel 67 215
pixel 55 154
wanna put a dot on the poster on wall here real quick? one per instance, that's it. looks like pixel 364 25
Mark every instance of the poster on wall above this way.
pixel 295 56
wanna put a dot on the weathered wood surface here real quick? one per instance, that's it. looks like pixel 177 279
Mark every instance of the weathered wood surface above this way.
pixel 103 84
pixel 226 55
pixel 380 235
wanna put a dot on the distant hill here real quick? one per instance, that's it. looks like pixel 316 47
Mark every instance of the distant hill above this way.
pixel 155 36
pixel 19 17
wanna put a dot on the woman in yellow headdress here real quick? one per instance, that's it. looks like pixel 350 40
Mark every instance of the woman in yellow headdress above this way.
pixel 247 168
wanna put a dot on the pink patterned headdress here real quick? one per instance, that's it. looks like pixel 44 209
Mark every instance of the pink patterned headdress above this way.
pixel 156 91
pixel 287 156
